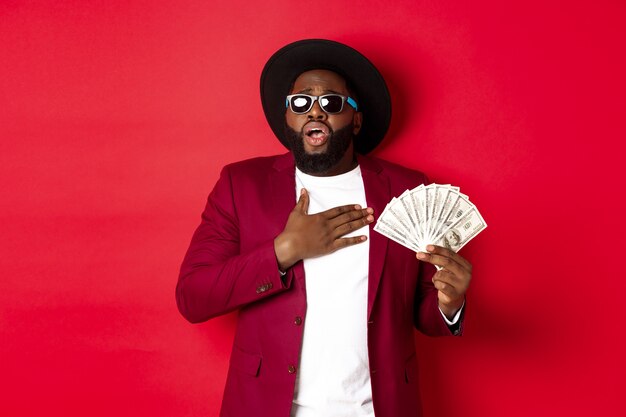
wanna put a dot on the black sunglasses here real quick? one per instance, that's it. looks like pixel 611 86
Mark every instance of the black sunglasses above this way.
pixel 330 103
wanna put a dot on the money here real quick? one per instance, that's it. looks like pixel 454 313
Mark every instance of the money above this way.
pixel 437 214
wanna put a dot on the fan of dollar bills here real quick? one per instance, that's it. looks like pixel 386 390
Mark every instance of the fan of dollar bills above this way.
pixel 431 214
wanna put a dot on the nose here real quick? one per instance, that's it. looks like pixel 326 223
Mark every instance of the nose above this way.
pixel 316 112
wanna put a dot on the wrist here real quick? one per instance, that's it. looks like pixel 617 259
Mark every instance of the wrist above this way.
pixel 284 251
pixel 450 309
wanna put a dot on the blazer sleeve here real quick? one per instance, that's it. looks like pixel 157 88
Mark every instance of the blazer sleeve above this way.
pixel 215 277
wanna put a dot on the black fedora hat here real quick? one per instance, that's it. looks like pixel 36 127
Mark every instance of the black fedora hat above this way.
pixel 289 62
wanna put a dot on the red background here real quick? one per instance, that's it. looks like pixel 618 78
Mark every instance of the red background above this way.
pixel 116 117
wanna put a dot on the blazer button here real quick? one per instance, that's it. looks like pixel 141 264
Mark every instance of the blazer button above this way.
pixel 263 288
pixel 298 321
pixel 291 369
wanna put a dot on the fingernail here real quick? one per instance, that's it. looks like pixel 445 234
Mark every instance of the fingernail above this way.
pixel 302 191
pixel 421 255
pixel 370 210
pixel 430 248
pixel 358 207
pixel 370 218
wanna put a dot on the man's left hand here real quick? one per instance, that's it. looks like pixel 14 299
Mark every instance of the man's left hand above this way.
pixel 452 281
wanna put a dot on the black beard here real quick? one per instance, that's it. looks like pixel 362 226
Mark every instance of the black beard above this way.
pixel 338 143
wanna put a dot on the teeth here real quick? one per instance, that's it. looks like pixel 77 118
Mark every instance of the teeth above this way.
pixel 316 130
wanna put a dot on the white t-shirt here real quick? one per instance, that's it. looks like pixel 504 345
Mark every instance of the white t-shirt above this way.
pixel 333 376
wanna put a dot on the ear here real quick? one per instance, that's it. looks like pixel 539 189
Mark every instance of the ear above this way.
pixel 357 120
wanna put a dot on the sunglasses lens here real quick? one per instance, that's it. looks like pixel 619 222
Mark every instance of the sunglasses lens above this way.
pixel 300 104
pixel 331 103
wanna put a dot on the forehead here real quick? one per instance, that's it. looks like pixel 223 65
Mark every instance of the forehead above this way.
pixel 321 81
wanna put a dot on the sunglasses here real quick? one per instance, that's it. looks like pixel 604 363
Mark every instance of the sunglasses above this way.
pixel 330 103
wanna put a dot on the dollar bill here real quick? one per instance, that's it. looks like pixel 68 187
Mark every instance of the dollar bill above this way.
pixel 391 231
pixel 448 199
pixel 465 229
pixel 431 214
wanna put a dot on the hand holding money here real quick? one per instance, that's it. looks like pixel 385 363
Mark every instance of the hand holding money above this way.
pixel 452 280
pixel 436 221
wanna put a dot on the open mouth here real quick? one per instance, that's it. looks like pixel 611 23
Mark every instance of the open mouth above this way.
pixel 316 133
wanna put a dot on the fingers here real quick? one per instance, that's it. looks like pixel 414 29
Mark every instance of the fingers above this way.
pixel 346 228
pixel 352 220
pixel 452 281
pixel 449 284
pixel 338 211
pixel 344 242
pixel 445 258
pixel 303 202
pixel 447 292
pixel 339 214
pixel 442 261
pixel 439 250
pixel 450 292
pixel 348 222
pixel 345 219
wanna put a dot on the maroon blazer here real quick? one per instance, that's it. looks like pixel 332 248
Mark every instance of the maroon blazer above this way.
pixel 231 265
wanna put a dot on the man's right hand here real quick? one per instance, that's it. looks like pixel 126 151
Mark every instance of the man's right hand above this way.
pixel 308 236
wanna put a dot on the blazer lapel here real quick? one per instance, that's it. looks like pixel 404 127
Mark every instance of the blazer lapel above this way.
pixel 377 194
pixel 282 198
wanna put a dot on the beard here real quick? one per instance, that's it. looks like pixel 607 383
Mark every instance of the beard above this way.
pixel 317 163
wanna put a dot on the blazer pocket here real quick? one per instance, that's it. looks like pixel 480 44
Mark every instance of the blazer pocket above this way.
pixel 246 362
pixel 410 369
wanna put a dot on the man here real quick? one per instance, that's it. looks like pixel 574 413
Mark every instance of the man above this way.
pixel 326 305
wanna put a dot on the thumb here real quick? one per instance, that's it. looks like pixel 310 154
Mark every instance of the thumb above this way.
pixel 303 202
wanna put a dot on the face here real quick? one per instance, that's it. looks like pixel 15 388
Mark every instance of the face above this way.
pixel 321 142
pixel 452 238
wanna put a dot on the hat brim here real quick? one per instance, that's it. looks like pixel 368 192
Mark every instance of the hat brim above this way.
pixel 289 62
